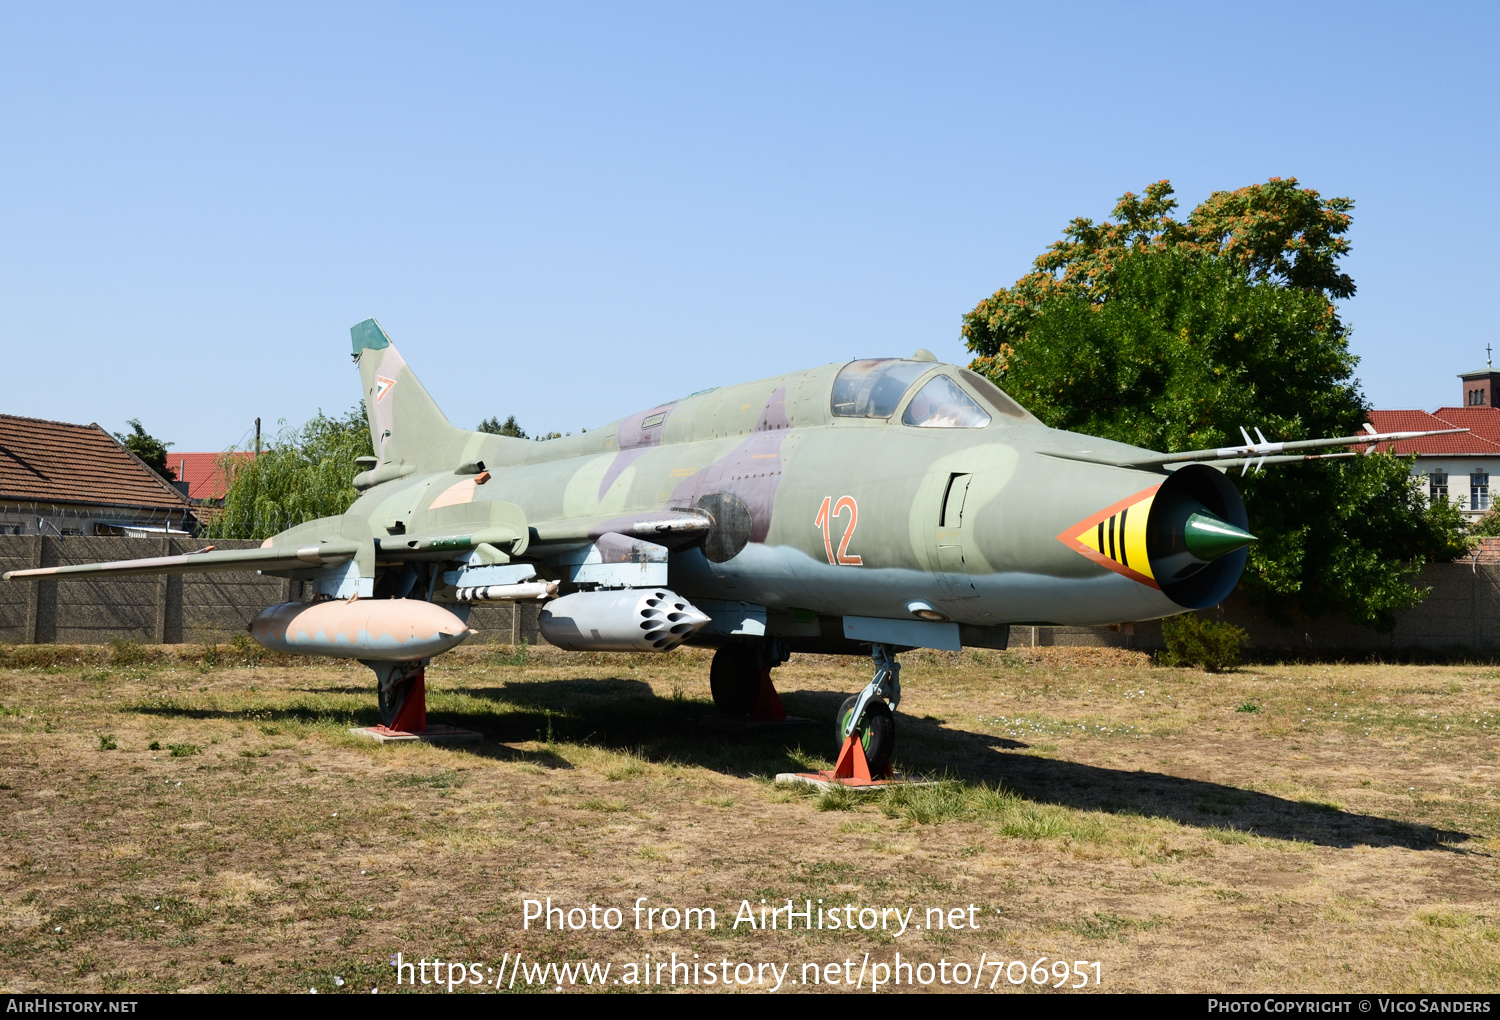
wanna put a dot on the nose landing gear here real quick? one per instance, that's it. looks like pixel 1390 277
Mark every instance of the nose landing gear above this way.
pixel 875 737
pixel 866 731
pixel 868 720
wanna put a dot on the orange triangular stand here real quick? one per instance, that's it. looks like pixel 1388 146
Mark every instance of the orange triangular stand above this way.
pixel 413 715
pixel 852 764
pixel 767 702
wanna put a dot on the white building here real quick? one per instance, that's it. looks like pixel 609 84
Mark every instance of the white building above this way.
pixel 1456 467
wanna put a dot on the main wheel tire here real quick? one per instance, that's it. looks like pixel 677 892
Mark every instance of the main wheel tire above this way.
pixel 734 679
pixel 877 733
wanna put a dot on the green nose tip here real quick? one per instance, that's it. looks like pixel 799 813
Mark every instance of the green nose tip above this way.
pixel 1208 538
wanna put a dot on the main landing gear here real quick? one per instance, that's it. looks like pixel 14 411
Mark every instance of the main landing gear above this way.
pixel 740 680
pixel 402 691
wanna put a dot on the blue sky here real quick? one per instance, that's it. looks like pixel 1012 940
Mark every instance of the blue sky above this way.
pixel 568 213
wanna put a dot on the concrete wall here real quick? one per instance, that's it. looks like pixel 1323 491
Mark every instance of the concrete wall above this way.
pixel 1462 613
pixel 162 609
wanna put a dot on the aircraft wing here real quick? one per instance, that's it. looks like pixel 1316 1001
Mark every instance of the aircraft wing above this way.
pixel 266 558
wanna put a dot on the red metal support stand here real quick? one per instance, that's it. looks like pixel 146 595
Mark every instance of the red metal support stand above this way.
pixel 767 707
pixel 412 718
pixel 852 763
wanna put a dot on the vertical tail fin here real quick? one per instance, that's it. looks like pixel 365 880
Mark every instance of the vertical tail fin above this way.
pixel 405 423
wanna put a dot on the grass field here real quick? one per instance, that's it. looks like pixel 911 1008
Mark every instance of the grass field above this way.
pixel 200 819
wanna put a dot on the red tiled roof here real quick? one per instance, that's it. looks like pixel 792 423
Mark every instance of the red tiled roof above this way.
pixel 1482 439
pixel 204 472
pixel 55 461
pixel 1484 421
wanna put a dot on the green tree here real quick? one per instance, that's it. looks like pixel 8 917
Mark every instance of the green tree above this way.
pixel 1172 335
pixel 147 447
pixel 304 474
pixel 510 427
pixel 1275 231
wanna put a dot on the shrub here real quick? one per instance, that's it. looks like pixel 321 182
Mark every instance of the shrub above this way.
pixel 1194 641
pixel 518 655
pixel 107 742
pixel 124 652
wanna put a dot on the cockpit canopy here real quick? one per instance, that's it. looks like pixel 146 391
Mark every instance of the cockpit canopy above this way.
pixel 875 387
pixel 872 388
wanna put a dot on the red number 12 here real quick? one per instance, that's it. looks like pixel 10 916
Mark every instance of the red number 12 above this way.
pixel 826 513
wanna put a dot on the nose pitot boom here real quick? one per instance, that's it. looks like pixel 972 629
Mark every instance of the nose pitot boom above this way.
pixel 1208 538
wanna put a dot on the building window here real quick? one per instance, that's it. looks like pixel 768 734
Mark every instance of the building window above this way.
pixel 1437 486
pixel 1476 398
pixel 1479 490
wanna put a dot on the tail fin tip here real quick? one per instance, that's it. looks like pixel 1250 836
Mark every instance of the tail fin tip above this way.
pixel 368 335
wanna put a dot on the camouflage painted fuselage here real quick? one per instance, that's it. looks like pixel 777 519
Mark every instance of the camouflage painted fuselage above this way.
pixel 846 515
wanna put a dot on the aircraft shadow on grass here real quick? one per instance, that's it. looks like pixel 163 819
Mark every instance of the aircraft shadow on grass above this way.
pixel 626 715
pixel 656 726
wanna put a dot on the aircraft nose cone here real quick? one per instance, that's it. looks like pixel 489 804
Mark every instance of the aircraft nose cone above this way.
pixel 692 616
pixel 1208 538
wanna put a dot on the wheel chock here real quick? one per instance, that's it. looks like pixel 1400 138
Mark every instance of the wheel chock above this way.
pixel 767 707
pixel 852 763
pixel 852 769
pixel 854 766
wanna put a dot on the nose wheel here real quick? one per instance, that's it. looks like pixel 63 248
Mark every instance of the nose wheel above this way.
pixel 868 718
pixel 876 733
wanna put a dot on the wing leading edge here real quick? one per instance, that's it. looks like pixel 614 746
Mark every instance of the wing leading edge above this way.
pixel 271 558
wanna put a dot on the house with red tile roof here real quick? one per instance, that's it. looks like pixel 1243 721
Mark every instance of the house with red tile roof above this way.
pixel 57 478
pixel 1457 467
pixel 207 475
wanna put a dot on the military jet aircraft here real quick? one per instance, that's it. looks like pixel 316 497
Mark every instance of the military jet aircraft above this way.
pixel 866 507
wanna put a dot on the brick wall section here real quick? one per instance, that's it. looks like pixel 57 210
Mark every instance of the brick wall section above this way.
pixel 1487 551
pixel 164 609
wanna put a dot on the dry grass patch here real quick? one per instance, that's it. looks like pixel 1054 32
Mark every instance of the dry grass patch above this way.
pixel 1338 837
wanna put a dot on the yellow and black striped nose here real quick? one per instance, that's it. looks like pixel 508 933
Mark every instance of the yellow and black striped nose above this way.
pixel 1181 539
pixel 1115 537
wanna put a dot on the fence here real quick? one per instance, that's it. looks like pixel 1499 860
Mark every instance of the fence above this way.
pixel 164 608
pixel 1461 613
